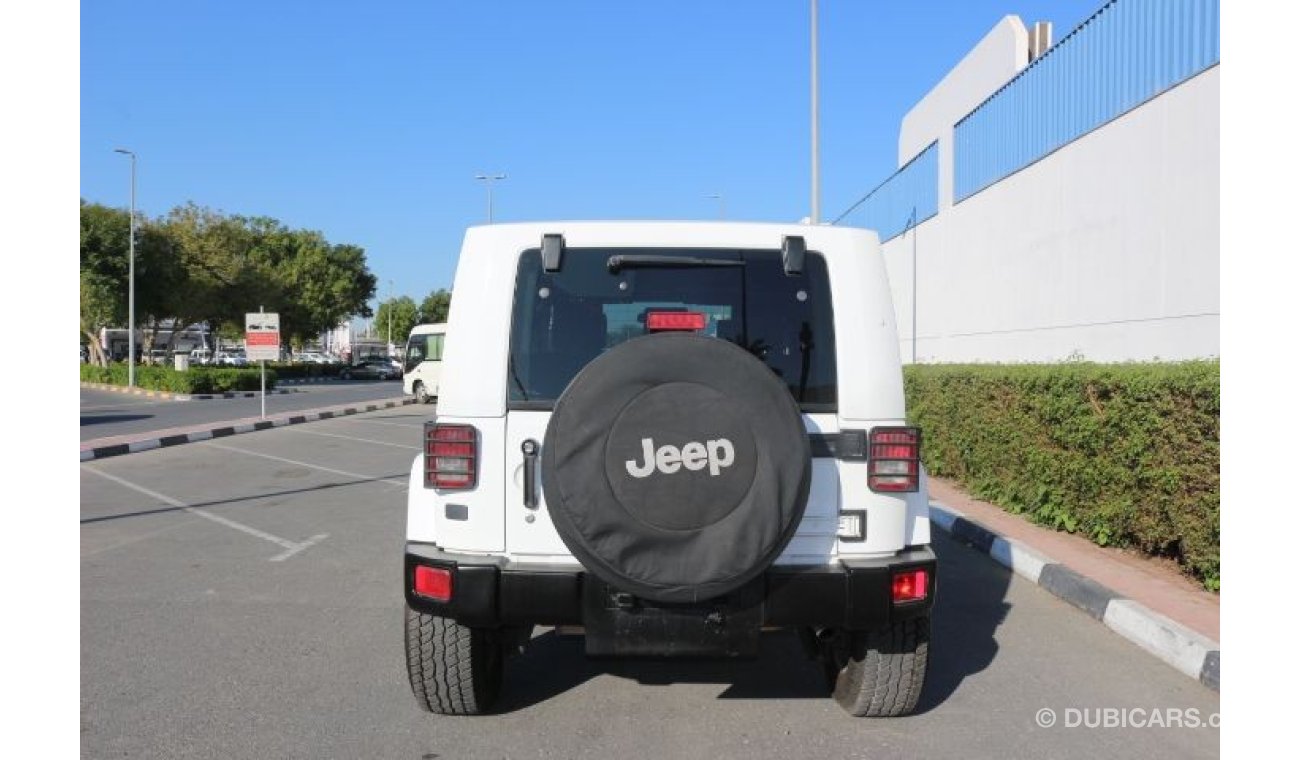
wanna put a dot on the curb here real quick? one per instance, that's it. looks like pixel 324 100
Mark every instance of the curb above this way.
pixel 1186 650
pixel 147 444
pixel 178 396
pixel 301 380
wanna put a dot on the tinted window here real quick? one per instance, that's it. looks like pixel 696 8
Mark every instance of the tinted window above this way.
pixel 562 320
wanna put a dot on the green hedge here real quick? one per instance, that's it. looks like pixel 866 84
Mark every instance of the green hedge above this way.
pixel 195 380
pixel 1125 454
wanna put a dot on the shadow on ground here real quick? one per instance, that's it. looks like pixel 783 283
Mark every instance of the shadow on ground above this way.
pixel 970 605
pixel 99 419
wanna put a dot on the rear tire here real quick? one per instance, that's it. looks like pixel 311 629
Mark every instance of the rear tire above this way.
pixel 879 673
pixel 454 669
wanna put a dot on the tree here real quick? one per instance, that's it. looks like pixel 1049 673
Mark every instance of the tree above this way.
pixel 105 236
pixel 435 307
pixel 200 265
pixel 404 315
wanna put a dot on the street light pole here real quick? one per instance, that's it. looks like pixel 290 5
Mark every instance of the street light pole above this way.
pixel 816 159
pixel 722 204
pixel 489 178
pixel 130 288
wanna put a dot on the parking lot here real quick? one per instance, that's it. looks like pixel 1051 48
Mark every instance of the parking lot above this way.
pixel 112 413
pixel 240 598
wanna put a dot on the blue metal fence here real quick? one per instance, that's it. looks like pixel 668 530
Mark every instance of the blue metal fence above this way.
pixel 907 198
pixel 1126 53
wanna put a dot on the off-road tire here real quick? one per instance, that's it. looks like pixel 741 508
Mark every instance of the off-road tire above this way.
pixel 454 669
pixel 879 673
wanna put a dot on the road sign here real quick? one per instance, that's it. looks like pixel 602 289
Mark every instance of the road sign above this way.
pixel 262 336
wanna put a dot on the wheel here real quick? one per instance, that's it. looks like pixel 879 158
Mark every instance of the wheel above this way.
pixel 345 375
pixel 421 395
pixel 454 669
pixel 676 467
pixel 879 673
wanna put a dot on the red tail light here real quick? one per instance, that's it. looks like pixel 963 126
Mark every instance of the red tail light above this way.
pixel 433 582
pixel 894 460
pixel 450 456
pixel 911 586
pixel 675 320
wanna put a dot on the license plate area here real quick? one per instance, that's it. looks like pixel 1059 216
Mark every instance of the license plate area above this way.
pixel 619 624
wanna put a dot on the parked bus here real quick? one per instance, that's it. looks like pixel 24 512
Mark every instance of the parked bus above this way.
pixel 423 362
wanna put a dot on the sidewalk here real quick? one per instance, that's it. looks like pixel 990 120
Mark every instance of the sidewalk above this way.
pixel 179 396
pixel 1149 602
pixel 131 443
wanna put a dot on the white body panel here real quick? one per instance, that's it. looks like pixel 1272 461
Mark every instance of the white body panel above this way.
pixel 473 390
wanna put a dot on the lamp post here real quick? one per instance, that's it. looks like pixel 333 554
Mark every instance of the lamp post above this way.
pixel 815 217
pixel 489 178
pixel 722 204
pixel 130 288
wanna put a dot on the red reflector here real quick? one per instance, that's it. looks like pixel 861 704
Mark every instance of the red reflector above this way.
pixel 435 583
pixel 675 320
pixel 910 586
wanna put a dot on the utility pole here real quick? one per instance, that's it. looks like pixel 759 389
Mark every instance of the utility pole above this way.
pixel 130 288
pixel 815 217
pixel 722 204
pixel 489 178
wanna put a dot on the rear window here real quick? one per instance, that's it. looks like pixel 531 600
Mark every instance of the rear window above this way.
pixel 562 320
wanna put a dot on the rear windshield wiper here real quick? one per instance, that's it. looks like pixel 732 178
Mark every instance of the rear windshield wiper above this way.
pixel 623 261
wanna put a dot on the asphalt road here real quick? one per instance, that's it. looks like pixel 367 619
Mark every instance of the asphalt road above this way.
pixel 241 598
pixel 106 413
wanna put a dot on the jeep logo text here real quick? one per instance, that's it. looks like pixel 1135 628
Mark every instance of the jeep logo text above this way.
pixel 693 456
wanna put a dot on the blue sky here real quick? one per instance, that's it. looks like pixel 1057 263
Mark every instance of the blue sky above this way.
pixel 369 121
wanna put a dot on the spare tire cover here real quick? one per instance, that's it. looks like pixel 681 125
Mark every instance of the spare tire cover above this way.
pixel 676 467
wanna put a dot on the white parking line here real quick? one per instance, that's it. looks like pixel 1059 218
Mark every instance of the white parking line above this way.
pixel 291 547
pixel 287 553
pixel 354 438
pixel 345 473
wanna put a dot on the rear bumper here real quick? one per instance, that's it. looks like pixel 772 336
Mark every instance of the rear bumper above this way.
pixel 489 592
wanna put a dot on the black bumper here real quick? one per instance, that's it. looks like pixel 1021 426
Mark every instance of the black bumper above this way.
pixel 490 592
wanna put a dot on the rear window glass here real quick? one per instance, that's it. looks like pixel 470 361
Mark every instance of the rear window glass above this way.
pixel 562 320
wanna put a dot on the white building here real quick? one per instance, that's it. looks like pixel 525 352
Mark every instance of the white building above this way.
pixel 1062 202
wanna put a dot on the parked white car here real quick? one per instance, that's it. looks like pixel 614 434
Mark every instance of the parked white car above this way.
pixel 675 436
pixel 230 359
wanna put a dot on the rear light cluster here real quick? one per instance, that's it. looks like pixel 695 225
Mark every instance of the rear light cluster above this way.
pixel 450 456
pixel 894 459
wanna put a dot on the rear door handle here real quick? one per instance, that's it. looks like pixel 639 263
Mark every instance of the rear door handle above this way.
pixel 529 448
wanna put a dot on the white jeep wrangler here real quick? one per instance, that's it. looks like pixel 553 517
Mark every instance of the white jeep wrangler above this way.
pixel 674 437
